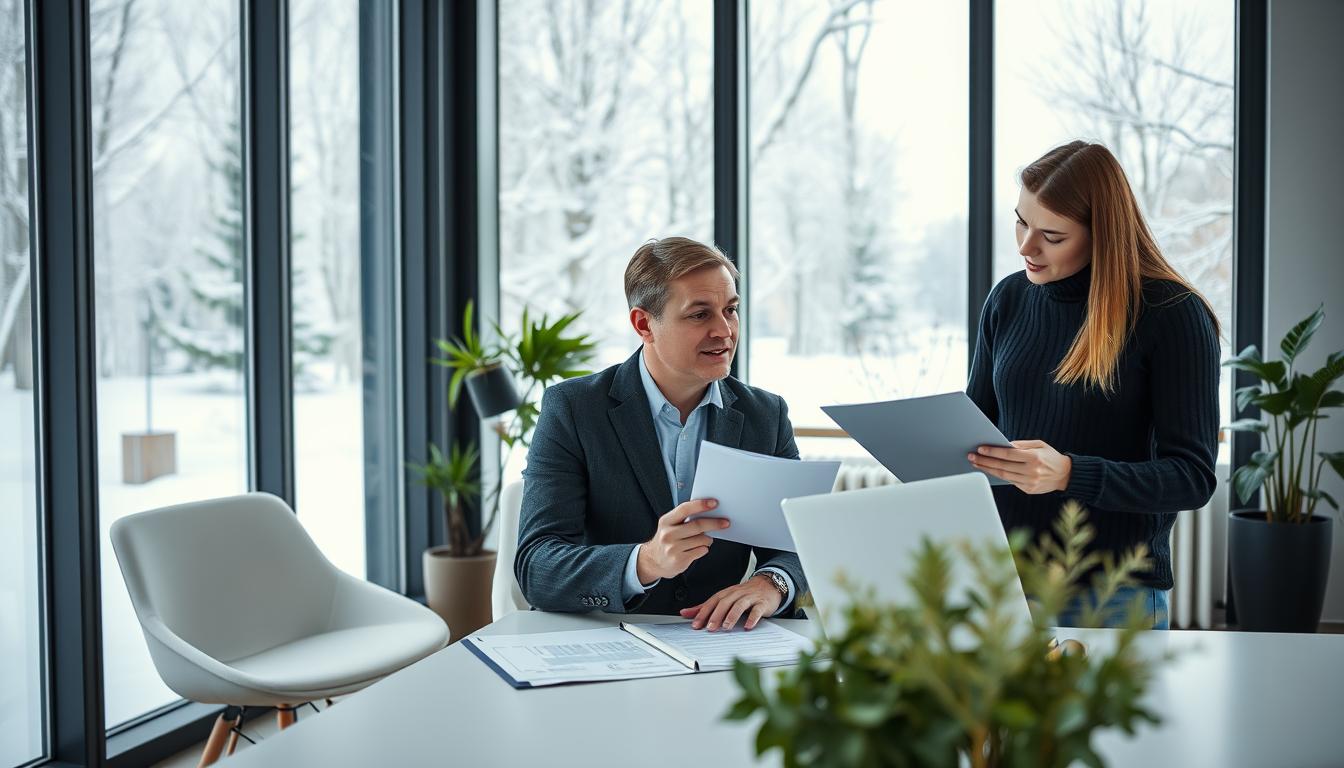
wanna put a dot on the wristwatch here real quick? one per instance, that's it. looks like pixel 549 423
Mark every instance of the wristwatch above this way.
pixel 779 582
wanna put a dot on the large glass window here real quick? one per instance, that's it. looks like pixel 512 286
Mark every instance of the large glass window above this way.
pixel 858 136
pixel 169 291
pixel 606 139
pixel 1151 81
pixel 22 736
pixel 324 146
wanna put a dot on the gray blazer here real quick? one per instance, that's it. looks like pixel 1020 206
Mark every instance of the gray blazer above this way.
pixel 595 487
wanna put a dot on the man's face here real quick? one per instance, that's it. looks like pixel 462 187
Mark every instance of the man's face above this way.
pixel 694 340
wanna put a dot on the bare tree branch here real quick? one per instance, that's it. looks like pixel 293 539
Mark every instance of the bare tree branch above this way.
pixel 10 313
pixel 830 25
pixel 147 126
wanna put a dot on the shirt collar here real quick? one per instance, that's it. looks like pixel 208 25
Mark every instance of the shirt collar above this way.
pixel 657 401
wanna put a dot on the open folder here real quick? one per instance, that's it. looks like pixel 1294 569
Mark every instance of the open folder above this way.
pixel 631 651
pixel 921 438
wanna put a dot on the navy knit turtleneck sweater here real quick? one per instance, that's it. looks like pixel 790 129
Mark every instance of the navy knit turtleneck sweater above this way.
pixel 1141 454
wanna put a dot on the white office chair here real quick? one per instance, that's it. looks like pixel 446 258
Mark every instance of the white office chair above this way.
pixel 239 607
pixel 505 596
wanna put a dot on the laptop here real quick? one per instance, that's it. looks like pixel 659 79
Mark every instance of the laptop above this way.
pixel 873 535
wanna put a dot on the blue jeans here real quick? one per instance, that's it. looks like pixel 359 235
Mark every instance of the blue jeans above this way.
pixel 1155 603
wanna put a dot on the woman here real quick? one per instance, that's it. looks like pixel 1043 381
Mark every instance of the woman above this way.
pixel 1100 363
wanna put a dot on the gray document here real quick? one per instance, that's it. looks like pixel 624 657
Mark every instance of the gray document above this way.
pixel 922 437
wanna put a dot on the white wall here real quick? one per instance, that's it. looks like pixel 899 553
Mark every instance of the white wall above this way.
pixel 1305 227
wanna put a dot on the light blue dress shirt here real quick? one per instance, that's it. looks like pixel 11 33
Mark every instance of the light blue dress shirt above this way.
pixel 680 446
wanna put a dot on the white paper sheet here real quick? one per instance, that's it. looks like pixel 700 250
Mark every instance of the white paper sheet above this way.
pixel 583 655
pixel 766 645
pixel 749 488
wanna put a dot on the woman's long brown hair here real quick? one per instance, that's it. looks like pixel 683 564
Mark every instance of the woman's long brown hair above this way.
pixel 1085 182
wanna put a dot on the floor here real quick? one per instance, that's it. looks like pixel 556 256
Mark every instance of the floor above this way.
pixel 258 729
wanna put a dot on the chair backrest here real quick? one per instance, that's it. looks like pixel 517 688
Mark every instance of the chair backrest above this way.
pixel 505 596
pixel 231 576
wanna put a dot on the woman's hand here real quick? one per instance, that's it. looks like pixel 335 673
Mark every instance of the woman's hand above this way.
pixel 1031 465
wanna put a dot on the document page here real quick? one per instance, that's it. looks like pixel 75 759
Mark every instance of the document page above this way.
pixel 583 655
pixel 768 644
pixel 922 437
pixel 749 488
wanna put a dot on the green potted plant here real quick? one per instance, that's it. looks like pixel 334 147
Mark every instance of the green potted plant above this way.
pixel 541 353
pixel 457 574
pixel 952 678
pixel 1279 554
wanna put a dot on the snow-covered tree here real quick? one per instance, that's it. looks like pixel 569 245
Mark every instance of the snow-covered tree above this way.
pixel 15 331
pixel 1164 104
pixel 211 327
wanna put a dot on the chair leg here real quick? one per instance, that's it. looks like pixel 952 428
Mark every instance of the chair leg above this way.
pixel 284 716
pixel 218 734
pixel 233 742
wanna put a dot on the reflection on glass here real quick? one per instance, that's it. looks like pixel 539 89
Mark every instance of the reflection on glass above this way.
pixel 325 276
pixel 605 140
pixel 857 271
pixel 22 724
pixel 168 277
pixel 1151 81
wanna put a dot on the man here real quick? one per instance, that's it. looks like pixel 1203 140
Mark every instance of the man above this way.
pixel 607 487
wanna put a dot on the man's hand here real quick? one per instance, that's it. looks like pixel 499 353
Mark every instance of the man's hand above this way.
pixel 756 597
pixel 1031 465
pixel 676 544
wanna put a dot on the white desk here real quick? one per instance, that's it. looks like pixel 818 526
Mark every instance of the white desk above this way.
pixel 1232 699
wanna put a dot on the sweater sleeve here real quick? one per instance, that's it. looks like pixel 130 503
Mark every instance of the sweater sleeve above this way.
pixel 1183 376
pixel 980 385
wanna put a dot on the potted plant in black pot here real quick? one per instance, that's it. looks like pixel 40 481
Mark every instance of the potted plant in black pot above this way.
pixel 1280 553
pixel 458 574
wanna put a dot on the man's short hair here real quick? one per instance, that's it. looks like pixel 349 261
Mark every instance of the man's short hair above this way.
pixel 658 262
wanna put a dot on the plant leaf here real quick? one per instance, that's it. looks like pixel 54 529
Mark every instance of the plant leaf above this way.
pixel 1331 371
pixel 1248 478
pixel 1246 395
pixel 1333 399
pixel 1334 459
pixel 1249 360
pixel 1298 337
pixel 1276 403
pixel 1309 391
pixel 1317 493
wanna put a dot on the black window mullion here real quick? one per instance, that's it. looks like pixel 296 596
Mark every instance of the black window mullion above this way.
pixel 378 273
pixel 1248 263
pixel 63 314
pixel 1248 218
pixel 458 189
pixel 424 413
pixel 980 244
pixel 267 257
pixel 730 152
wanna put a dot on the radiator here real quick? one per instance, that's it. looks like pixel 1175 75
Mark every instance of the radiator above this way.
pixel 862 473
pixel 1199 561
pixel 1198 544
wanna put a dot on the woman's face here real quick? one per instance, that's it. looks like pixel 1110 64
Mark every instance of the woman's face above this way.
pixel 1053 246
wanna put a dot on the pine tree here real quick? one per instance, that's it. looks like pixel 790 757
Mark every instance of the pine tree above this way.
pixel 212 328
